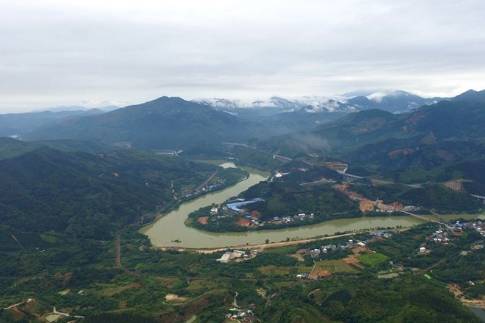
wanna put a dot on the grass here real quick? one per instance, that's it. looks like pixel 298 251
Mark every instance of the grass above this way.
pixel 336 266
pixel 112 290
pixel 373 259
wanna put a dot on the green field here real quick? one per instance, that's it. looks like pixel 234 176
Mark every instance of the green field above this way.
pixel 335 266
pixel 373 259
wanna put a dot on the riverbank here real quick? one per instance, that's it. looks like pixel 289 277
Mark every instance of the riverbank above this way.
pixel 264 246
pixel 156 215
pixel 169 230
pixel 270 245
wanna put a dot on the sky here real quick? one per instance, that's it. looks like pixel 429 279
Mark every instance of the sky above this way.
pixel 96 53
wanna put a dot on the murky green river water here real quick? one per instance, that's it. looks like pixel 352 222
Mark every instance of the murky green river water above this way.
pixel 170 227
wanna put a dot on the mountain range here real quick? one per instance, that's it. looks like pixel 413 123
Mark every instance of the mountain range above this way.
pixel 174 123
pixel 430 142
pixel 19 124
pixel 164 123
pixel 458 118
pixel 392 101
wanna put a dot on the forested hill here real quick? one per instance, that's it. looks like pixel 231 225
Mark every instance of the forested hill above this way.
pixel 165 123
pixel 23 123
pixel 447 120
pixel 459 119
pixel 434 138
pixel 88 195
pixel 11 147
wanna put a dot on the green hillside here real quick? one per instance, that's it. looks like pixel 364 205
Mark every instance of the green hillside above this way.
pixel 90 195
pixel 164 123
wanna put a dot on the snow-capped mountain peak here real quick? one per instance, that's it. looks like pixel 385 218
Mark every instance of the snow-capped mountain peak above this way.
pixel 395 101
pixel 311 104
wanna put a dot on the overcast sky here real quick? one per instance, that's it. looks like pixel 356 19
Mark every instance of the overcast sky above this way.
pixel 97 52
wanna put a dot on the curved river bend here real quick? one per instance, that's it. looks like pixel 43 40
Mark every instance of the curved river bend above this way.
pixel 170 227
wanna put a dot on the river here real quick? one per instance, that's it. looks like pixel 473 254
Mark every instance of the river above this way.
pixel 171 226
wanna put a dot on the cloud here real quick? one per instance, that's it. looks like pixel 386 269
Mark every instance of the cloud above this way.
pixel 56 52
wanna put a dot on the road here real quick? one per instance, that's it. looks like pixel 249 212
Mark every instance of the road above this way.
pixel 206 181
pixel 18 304
pixel 262 247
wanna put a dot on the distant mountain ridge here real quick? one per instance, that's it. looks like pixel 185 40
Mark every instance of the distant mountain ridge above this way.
pixel 448 133
pixel 312 104
pixel 459 118
pixel 19 124
pixel 174 123
pixel 163 123
pixel 471 96
pixel 392 101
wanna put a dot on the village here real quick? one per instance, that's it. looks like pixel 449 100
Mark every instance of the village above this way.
pixel 244 217
pixel 241 213
pixel 447 232
pixel 355 255
pixel 358 250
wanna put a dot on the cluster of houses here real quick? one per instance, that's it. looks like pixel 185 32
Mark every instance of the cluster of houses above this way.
pixel 477 225
pixel 246 218
pixel 202 190
pixel 235 208
pixel 440 236
pixel 241 315
pixel 381 234
pixel 445 233
pixel 323 250
pixel 237 256
pixel 300 217
pixel 458 227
